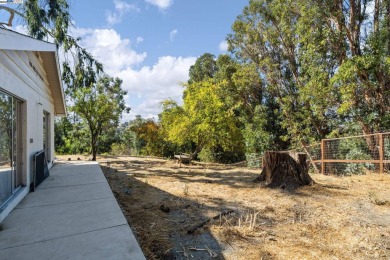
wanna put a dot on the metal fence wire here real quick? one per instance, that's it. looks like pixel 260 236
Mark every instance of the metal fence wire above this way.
pixel 254 160
pixel 345 156
pixel 314 155
pixel 352 155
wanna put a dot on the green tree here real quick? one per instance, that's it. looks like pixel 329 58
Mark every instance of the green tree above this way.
pixel 51 18
pixel 173 121
pixel 324 62
pixel 204 68
pixel 100 106
pixel 70 135
pixel 148 136
pixel 289 45
pixel 124 141
pixel 363 76
pixel 172 130
pixel 145 136
pixel 203 120
pixel 234 91
pixel 257 115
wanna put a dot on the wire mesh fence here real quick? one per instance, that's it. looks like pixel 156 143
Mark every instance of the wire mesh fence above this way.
pixel 254 160
pixel 353 155
pixel 314 155
pixel 346 156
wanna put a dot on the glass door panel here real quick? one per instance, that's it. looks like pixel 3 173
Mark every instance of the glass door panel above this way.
pixel 6 154
pixel 10 147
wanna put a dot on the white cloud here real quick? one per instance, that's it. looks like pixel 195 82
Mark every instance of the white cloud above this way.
pixel 80 32
pixel 139 39
pixel 112 18
pixel 173 34
pixel 161 4
pixel 121 8
pixel 223 46
pixel 149 86
pixel 108 47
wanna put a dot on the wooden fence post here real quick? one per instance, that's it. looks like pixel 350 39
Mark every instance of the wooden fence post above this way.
pixel 381 152
pixel 322 156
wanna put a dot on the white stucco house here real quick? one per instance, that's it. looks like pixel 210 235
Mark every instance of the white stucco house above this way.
pixel 31 95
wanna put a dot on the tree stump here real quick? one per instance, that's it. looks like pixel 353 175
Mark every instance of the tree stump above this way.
pixel 285 170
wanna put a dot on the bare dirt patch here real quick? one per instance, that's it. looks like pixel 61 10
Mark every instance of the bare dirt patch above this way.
pixel 337 218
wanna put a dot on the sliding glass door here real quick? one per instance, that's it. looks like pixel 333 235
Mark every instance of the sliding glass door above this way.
pixel 10 173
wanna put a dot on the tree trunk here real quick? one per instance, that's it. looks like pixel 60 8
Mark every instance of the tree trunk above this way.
pixel 376 16
pixel 94 155
pixel 388 25
pixel 285 170
pixel 94 147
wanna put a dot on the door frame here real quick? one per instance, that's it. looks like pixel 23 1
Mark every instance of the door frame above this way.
pixel 17 169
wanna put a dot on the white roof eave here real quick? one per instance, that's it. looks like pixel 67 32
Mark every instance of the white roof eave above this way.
pixel 11 40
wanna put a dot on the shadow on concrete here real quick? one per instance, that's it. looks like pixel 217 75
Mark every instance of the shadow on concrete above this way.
pixel 71 215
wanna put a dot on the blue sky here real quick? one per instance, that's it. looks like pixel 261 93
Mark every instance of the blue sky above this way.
pixel 151 44
pixel 174 28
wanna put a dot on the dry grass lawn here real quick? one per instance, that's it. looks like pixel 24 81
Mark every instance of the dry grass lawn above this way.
pixel 338 218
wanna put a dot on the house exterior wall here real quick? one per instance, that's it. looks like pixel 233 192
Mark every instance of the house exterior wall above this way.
pixel 22 76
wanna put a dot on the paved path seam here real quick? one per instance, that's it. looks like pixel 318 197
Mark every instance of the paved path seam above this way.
pixel 70 185
pixel 45 240
pixel 63 203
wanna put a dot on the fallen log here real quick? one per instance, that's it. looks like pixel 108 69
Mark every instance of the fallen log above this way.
pixel 194 228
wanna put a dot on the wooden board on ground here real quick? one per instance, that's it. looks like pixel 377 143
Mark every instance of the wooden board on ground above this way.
pixel 183 158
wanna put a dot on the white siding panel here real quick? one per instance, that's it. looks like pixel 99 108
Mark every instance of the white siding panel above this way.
pixel 37 62
pixel 18 79
pixel 18 64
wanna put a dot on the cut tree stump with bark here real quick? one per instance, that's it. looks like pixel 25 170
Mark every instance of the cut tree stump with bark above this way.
pixel 285 170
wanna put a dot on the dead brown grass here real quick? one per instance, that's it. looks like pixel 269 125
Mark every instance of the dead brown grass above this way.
pixel 338 218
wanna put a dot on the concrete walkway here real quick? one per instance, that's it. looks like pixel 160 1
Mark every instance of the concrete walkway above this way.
pixel 72 215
